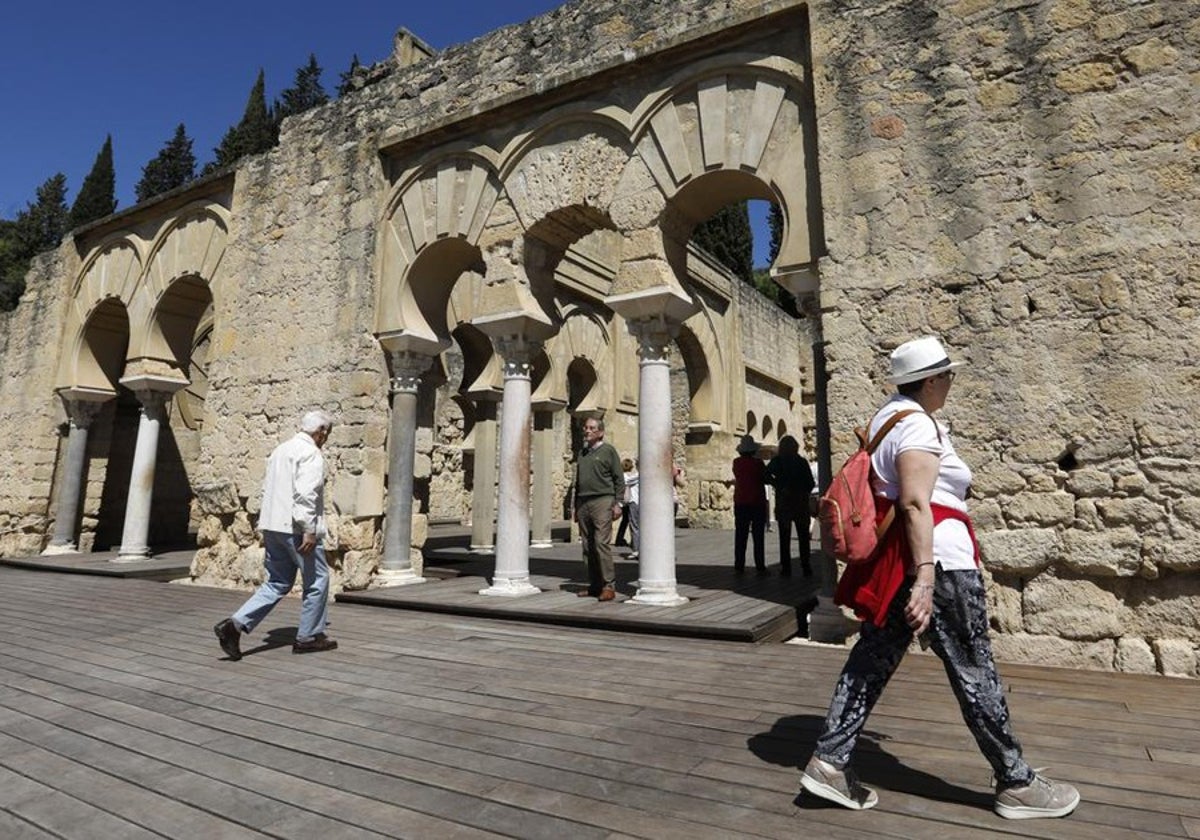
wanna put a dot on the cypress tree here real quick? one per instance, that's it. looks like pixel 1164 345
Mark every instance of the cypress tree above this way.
pixel 39 226
pixel 304 94
pixel 97 196
pixel 173 167
pixel 727 237
pixel 255 133
pixel 775 224
pixel 346 83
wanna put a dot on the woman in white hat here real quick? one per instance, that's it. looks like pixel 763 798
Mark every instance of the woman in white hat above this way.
pixel 924 581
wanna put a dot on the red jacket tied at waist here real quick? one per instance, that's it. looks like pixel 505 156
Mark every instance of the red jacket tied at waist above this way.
pixel 868 588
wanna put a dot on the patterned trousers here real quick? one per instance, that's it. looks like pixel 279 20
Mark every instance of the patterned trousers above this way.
pixel 958 634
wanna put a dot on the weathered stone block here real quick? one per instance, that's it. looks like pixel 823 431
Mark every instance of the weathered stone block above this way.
pixel 1090 483
pixel 1042 509
pixel 1135 656
pixel 1072 609
pixel 1091 76
pixel 1149 56
pixel 1138 512
pixel 216 498
pixel 1176 657
pixel 1024 552
pixel 1053 651
pixel 1115 553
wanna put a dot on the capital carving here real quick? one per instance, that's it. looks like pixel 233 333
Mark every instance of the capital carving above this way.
pixel 516 354
pixel 654 337
pixel 407 369
pixel 82 412
pixel 154 403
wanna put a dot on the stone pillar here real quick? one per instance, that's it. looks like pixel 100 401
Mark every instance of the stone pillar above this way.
pixel 81 411
pixel 656 536
pixel 483 493
pixel 511 577
pixel 154 397
pixel 543 480
pixel 396 568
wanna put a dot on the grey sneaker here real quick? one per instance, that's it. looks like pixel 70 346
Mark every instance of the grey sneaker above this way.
pixel 1039 798
pixel 841 786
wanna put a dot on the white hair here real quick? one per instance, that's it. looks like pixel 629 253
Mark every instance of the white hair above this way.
pixel 315 421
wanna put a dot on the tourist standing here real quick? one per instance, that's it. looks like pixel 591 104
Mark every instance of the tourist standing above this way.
pixel 791 476
pixel 599 484
pixel 749 505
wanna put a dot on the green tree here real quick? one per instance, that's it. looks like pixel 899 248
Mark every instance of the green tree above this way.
pixel 39 226
pixel 97 196
pixel 255 133
pixel 775 224
pixel 306 93
pixel 727 237
pixel 346 80
pixel 172 167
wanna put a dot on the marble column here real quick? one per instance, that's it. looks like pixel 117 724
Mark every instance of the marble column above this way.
pixel 81 413
pixel 134 545
pixel 511 577
pixel 543 480
pixel 396 568
pixel 656 536
pixel 483 479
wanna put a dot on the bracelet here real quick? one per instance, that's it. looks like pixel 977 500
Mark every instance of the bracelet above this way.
pixel 928 586
pixel 919 565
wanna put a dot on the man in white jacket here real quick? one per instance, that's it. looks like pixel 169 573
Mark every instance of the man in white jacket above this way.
pixel 292 522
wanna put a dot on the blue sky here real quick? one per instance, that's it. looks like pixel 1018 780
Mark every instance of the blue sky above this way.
pixel 75 71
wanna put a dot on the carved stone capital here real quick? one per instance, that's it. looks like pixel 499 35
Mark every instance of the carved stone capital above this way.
pixel 516 353
pixel 407 369
pixel 82 412
pixel 654 337
pixel 154 403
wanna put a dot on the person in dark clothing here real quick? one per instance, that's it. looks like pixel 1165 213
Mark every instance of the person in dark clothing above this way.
pixel 791 476
pixel 749 505
pixel 599 487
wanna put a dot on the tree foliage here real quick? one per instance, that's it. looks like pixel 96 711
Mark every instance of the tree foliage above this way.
pixel 172 167
pixel 306 93
pixel 726 236
pixel 39 226
pixel 256 132
pixel 97 197
pixel 346 79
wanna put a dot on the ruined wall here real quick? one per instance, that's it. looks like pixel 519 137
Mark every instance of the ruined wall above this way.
pixel 30 413
pixel 1021 180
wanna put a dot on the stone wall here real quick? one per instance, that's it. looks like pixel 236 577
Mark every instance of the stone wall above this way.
pixel 1021 180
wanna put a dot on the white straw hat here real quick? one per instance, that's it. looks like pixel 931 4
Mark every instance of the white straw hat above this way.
pixel 919 359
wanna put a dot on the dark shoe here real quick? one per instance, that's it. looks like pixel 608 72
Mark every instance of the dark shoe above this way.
pixel 738 570
pixel 761 571
pixel 316 644
pixel 229 636
pixel 808 571
pixel 606 594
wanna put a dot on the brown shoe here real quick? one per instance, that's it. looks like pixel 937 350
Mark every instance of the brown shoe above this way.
pixel 316 644
pixel 606 594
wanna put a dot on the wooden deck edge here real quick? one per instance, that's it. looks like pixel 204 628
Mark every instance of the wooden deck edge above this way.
pixel 160 573
pixel 779 627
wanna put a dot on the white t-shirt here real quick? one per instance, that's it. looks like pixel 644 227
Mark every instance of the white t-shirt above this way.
pixel 952 547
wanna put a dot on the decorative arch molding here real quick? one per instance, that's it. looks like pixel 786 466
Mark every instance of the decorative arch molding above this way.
pixel 583 335
pixel 182 277
pixel 111 269
pixel 746 114
pixel 700 345
pixel 110 276
pixel 573 161
pixel 444 205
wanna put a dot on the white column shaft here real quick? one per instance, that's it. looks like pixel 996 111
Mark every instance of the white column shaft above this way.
pixel 134 543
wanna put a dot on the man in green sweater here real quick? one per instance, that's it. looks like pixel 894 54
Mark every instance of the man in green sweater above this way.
pixel 599 486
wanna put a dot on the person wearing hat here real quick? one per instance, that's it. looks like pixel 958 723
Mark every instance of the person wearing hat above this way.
pixel 749 504
pixel 925 581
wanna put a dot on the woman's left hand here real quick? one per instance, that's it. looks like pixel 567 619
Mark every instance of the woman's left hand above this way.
pixel 919 609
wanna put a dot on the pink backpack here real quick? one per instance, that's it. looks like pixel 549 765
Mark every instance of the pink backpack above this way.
pixel 847 510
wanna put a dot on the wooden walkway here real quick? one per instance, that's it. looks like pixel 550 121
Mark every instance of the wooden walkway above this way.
pixel 120 719
pixel 722 604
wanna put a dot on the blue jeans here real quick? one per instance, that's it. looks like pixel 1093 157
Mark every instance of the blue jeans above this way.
pixel 282 561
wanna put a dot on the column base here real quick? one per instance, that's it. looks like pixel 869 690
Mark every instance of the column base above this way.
pixel 482 549
pixel 828 624
pixel 510 588
pixel 64 548
pixel 395 577
pixel 658 595
pixel 542 544
pixel 131 555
